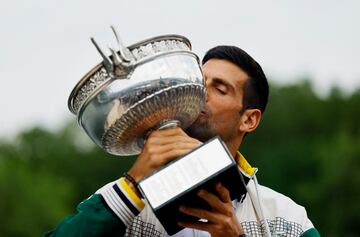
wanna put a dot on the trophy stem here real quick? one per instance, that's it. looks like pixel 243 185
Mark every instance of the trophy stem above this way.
pixel 165 124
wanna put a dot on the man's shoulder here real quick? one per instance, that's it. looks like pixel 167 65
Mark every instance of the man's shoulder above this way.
pixel 277 203
pixel 272 197
pixel 276 207
pixel 283 215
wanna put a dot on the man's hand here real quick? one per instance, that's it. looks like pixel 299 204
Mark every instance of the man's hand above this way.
pixel 222 220
pixel 161 147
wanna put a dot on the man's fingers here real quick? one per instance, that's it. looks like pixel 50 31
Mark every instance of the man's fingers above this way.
pixel 173 154
pixel 173 144
pixel 212 200
pixel 200 213
pixel 155 140
pixel 168 132
pixel 161 147
pixel 223 192
pixel 195 225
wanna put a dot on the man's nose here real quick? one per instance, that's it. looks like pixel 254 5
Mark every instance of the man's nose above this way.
pixel 206 91
pixel 206 95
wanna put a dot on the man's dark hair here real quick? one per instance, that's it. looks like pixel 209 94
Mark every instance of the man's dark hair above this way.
pixel 256 88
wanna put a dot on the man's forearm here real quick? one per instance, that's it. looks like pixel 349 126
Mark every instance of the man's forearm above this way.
pixel 93 219
pixel 107 213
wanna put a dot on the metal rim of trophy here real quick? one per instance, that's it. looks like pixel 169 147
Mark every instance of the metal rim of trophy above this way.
pixel 98 67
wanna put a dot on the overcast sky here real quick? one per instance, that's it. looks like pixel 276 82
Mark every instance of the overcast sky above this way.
pixel 45 47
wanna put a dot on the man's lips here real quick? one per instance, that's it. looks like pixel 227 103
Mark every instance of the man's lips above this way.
pixel 202 115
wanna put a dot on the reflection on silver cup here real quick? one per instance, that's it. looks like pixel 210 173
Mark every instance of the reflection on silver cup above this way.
pixel 137 89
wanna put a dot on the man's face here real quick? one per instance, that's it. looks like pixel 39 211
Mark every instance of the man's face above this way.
pixel 221 115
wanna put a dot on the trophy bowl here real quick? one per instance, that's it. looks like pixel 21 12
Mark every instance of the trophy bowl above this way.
pixel 154 84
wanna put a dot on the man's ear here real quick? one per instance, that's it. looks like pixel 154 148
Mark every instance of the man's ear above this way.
pixel 250 120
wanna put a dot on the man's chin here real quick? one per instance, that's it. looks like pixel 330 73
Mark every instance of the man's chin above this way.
pixel 200 130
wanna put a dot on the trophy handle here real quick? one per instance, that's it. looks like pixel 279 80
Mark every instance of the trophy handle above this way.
pixel 124 52
pixel 122 60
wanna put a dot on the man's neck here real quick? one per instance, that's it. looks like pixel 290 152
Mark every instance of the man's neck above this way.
pixel 233 146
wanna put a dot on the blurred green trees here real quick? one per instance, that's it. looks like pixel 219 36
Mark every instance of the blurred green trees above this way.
pixel 306 147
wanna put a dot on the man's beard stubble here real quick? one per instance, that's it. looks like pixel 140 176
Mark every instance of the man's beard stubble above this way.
pixel 201 129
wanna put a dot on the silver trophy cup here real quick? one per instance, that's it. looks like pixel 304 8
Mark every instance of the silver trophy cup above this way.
pixel 154 84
